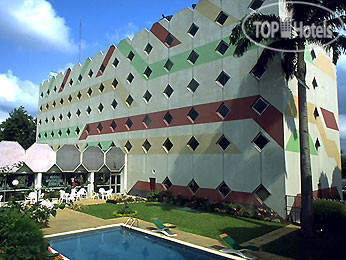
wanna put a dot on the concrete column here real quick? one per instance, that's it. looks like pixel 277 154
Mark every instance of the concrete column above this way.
pixel 38 180
pixel 91 179
pixel 125 188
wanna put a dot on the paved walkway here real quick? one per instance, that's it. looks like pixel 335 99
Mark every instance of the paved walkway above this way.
pixel 69 220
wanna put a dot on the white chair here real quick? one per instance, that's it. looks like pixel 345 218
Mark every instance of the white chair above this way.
pixel 82 193
pixel 47 204
pixel 1 200
pixel 40 198
pixel 102 192
pixel 73 196
pixel 95 195
pixel 62 196
pixel 109 194
pixel 31 198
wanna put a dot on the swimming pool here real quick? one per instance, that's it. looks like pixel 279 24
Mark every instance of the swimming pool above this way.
pixel 123 243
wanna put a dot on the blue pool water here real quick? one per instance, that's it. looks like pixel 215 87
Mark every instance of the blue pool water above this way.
pixel 122 243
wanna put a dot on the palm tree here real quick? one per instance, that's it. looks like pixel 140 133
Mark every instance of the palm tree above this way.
pixel 293 65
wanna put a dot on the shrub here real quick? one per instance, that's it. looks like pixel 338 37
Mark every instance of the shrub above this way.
pixel 21 237
pixel 329 215
pixel 153 196
pixel 78 207
pixel 125 211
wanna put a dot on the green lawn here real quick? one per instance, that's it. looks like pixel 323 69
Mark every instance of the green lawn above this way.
pixel 322 246
pixel 201 223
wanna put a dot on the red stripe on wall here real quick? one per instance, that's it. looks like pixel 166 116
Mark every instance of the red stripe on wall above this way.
pixel 106 60
pixel 271 120
pixel 161 33
pixel 65 80
pixel 329 119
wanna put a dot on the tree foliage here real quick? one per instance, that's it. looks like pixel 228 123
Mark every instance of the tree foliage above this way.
pixel 20 127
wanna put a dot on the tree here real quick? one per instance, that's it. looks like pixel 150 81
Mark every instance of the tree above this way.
pixel 293 65
pixel 20 127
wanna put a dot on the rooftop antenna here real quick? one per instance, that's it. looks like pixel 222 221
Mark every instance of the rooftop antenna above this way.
pixel 80 39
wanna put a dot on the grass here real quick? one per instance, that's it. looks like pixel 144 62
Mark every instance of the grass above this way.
pixel 201 223
pixel 322 246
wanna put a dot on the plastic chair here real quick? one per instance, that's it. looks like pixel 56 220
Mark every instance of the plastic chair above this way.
pixel 108 194
pixel 82 193
pixel 31 198
pixel 102 192
pixel 162 228
pixel 62 196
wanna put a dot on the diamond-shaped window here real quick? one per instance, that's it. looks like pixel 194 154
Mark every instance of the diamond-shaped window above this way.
pixel 169 40
pixel 222 78
pixel 223 142
pixel 222 48
pixel 223 111
pixel 60 133
pixel 79 95
pixel 61 117
pixel 41 108
pixel 114 83
pixel 70 98
pixel 314 83
pixel 193 85
pixel 221 18
pixel 131 55
pixel 41 95
pixel 260 106
pixel 48 92
pixel 192 115
pixel 147 72
pixel 88 110
pixel 258 71
pixel 168 118
pixel 54 104
pixel 87 129
pixel 39 136
pixel 147 96
pixel 61 101
pixel 71 82
pixel 193 143
pixel 101 88
pixel 193 30
pixel 69 115
pixel 53 119
pixel 113 126
pixel 224 189
pixel 80 77
pixel 114 104
pixel 255 4
pixel 99 127
pixel 193 186
pixel 90 92
pixel 47 106
pixel 313 54
pixel 39 122
pixel 46 120
pixel 128 146
pixel 260 141
pixel 262 192
pixel 146 146
pixel 167 183
pixel 167 145
pixel 168 65
pixel 52 134
pixel 100 107
pixel 68 131
pixel 115 62
pixel 129 100
pixel 316 114
pixel 193 57
pixel 130 78
pixel 148 48
pixel 45 135
pixel 146 121
pixel 90 74
pixel 77 130
pixel 168 91
pixel 317 144
pixel 128 123
pixel 55 89
pixel 78 113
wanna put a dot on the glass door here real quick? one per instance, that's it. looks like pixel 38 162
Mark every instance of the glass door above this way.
pixel 116 183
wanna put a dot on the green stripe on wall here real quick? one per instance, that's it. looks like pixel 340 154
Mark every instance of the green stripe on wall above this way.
pixel 293 144
pixel 64 135
pixel 83 70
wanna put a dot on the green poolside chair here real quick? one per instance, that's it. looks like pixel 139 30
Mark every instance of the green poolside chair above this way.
pixel 236 249
pixel 162 228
